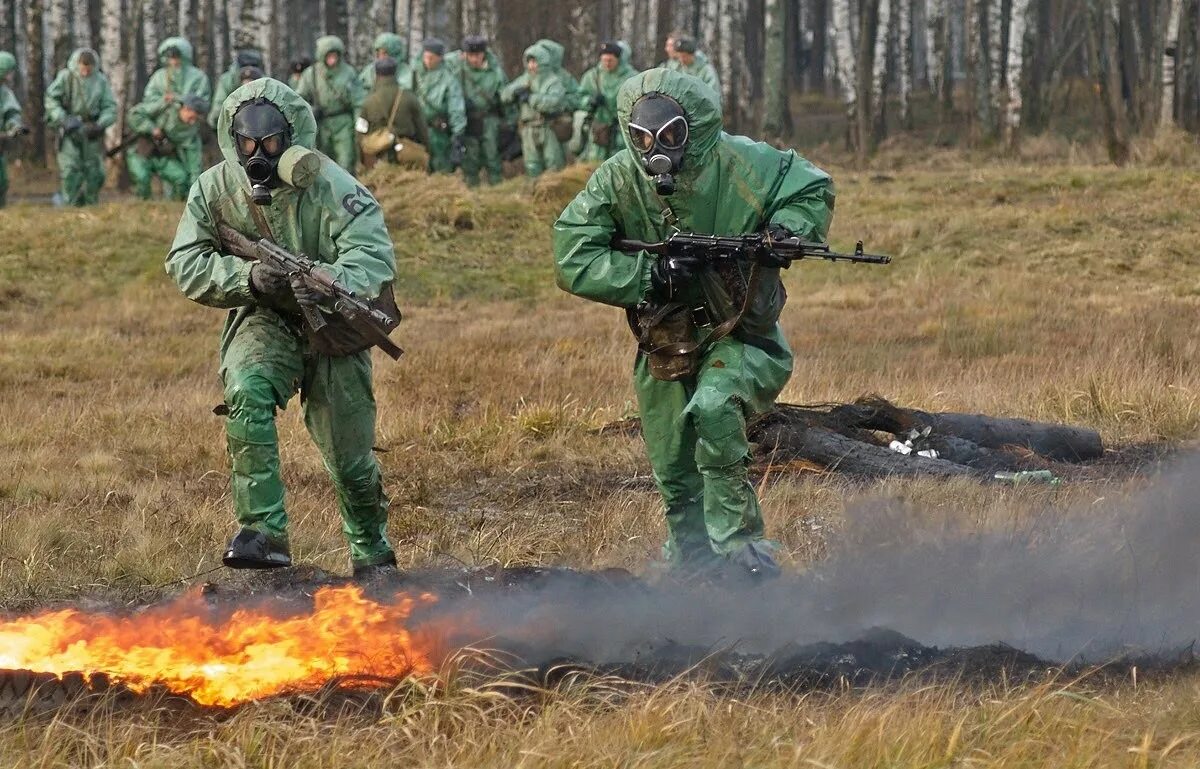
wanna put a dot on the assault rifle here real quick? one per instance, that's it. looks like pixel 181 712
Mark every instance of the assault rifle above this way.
pixel 713 248
pixel 370 323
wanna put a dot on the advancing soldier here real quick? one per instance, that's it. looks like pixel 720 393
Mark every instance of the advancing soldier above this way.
pixel 394 113
pixel 265 353
pixel 11 123
pixel 482 80
pixel 669 48
pixel 692 62
pixel 168 146
pixel 295 70
pixel 331 86
pixel 682 172
pixel 598 96
pixel 176 77
pixel 540 96
pixel 389 46
pixel 231 79
pixel 442 102
pixel 80 104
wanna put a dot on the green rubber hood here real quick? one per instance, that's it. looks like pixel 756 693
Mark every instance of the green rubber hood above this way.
pixel 700 103
pixel 185 49
pixel 73 62
pixel 538 53
pixel 393 44
pixel 329 44
pixel 299 115
pixel 8 63
pixel 554 50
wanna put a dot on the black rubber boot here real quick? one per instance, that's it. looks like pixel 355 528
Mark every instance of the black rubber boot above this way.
pixel 252 549
pixel 373 571
pixel 755 562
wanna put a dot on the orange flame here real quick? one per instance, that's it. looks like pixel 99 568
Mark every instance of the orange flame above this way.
pixel 224 661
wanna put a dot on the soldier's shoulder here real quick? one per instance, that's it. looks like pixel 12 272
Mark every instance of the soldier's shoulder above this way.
pixel 338 191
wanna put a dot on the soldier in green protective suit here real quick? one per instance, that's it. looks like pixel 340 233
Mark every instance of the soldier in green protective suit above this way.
pixel 331 86
pixel 167 147
pixel 689 60
pixel 482 79
pixel 555 53
pixel 598 96
pixel 79 103
pixel 391 46
pixel 705 181
pixel 265 355
pixel 230 80
pixel 540 96
pixel 176 76
pixel 11 123
pixel 441 97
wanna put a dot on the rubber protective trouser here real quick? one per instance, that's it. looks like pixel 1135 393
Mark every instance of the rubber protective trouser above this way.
pixel 335 138
pixel 541 148
pixel 439 152
pixel 81 168
pixel 262 367
pixel 483 152
pixel 176 178
pixel 695 434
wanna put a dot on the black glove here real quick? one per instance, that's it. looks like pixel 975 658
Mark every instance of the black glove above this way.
pixel 457 151
pixel 766 256
pixel 596 102
pixel 267 279
pixel 306 295
pixel 318 113
pixel 668 275
pixel 72 124
pixel 93 130
pixel 522 94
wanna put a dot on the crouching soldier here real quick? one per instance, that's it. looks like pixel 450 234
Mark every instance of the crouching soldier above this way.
pixel 168 145
pixel 266 133
pixel 711 368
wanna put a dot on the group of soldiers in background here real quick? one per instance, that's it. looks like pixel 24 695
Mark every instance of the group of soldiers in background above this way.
pixel 442 111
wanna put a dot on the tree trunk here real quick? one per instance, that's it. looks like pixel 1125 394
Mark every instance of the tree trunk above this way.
pixel 819 59
pixel 776 117
pixel 868 44
pixel 35 73
pixel 1170 56
pixel 886 42
pixel 1104 58
pixel 1013 76
pixel 846 71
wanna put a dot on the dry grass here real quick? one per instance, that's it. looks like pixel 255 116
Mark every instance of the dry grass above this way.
pixel 1063 292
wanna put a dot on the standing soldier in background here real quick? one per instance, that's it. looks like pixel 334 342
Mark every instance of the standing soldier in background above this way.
pixel 562 124
pixel 230 80
pixel 176 77
pixel 394 113
pixel 11 123
pixel 168 146
pixel 482 80
pixel 711 351
pixel 80 104
pixel 266 353
pixel 693 62
pixel 331 86
pixel 442 102
pixel 598 96
pixel 389 46
pixel 669 48
pixel 539 96
pixel 295 71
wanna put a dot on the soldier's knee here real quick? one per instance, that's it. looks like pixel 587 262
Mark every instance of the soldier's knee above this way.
pixel 249 397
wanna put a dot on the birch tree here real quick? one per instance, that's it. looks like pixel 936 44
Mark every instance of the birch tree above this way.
pixel 1014 52
pixel 846 69
pixel 775 81
pixel 1104 57
pixel 1170 56
pixel 35 73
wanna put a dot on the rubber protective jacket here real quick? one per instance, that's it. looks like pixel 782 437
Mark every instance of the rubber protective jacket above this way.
pixel 10 118
pixel 547 98
pixel 695 429
pixel 177 169
pixel 337 95
pixel 398 50
pixel 265 357
pixel 80 159
pixel 599 80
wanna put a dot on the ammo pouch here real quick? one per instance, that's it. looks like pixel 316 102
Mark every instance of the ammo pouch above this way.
pixel 666 335
pixel 563 126
pixel 601 134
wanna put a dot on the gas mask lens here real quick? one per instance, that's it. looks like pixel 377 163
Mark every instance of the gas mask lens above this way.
pixel 672 135
pixel 272 146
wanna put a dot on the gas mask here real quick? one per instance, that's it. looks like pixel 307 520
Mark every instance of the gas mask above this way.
pixel 658 133
pixel 261 134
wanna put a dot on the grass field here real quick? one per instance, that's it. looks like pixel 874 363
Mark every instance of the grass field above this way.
pixel 1065 292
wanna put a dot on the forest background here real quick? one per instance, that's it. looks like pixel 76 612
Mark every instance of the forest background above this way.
pixel 850 73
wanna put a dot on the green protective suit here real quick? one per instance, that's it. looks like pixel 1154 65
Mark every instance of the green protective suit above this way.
pixel 701 69
pixel 10 119
pixel 441 97
pixel 481 99
pixel 178 170
pixel 547 97
pixel 80 159
pixel 398 50
pixel 598 80
pixel 337 95
pixel 170 84
pixel 695 429
pixel 227 83
pixel 556 53
pixel 265 357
